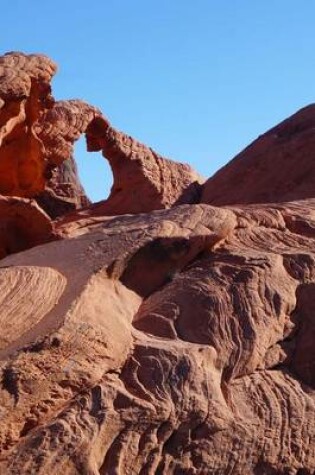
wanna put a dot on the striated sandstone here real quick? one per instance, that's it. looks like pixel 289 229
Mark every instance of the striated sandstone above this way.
pixel 173 338
pixel 190 368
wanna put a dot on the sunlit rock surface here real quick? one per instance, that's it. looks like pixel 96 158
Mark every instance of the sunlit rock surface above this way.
pixel 154 332
pixel 279 166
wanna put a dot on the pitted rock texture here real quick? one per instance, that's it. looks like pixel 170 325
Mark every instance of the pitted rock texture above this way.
pixel 58 129
pixel 172 339
pixel 143 180
pixel 37 135
pixel 24 95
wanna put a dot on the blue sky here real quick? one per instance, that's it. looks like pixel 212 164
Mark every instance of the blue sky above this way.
pixel 196 80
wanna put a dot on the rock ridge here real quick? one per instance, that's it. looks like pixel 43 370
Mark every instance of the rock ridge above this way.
pixel 168 329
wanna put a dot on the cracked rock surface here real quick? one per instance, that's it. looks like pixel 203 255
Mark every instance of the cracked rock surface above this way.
pixel 169 329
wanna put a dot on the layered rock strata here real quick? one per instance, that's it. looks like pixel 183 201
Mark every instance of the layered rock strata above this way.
pixel 158 336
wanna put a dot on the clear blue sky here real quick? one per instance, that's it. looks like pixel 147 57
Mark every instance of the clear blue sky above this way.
pixel 195 79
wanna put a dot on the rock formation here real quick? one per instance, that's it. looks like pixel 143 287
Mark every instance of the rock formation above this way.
pixel 143 180
pixel 279 166
pixel 158 331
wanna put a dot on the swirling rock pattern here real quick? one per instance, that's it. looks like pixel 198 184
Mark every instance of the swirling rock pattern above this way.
pixel 176 347
pixel 27 295
pixel 177 338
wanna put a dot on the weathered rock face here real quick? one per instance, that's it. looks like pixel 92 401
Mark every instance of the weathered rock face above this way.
pixel 37 135
pixel 177 340
pixel 23 224
pixel 24 96
pixel 143 180
pixel 279 166
pixel 36 149
pixel 58 129
pixel 63 191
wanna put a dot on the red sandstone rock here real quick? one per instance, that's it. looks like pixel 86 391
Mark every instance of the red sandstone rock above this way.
pixel 58 129
pixel 143 180
pixel 25 95
pixel 177 341
pixel 279 166
pixel 37 134
pixel 22 225
pixel 168 332
pixel 63 191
